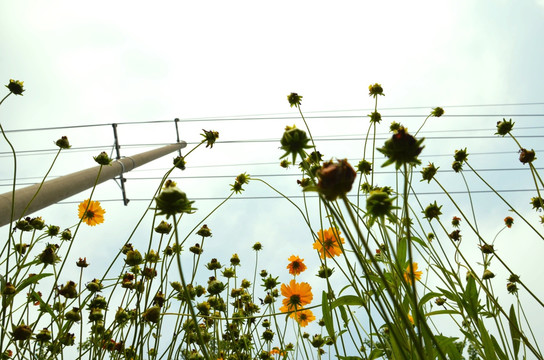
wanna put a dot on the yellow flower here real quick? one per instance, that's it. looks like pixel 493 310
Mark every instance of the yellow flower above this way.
pixel 296 295
pixel 296 265
pixel 408 276
pixel 91 212
pixel 303 317
pixel 327 243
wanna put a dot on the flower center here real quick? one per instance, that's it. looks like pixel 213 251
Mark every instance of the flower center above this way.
pixel 89 214
pixel 294 300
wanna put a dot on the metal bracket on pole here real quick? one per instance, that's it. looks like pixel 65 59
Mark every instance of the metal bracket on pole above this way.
pixel 118 157
pixel 176 120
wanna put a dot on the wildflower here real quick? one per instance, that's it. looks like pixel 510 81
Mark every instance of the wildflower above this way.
pixel 328 243
pixel 335 179
pixel 180 162
pixel 257 246
pixel 410 318
pixel 172 200
pixel 210 137
pixel 526 156
pixel 508 221
pixel 294 141
pixel 432 211
pixel 303 317
pixel 296 265
pixel 82 263
pixel 235 260
pixel 437 112
pixel 91 212
pixel 297 295
pixel 402 149
pixel 408 273
pixel 429 172
pixel 294 99
pixel 16 87
pixel 204 231
pixel 375 117
pixel 504 127
pixel 440 301
pixel 375 90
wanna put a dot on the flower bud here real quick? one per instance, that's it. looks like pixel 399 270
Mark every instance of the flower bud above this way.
pixel 402 148
pixel 94 286
pixel 437 112
pixel 488 275
pixel 375 90
pixel 163 228
pixel 294 142
pixel 440 301
pixel 152 314
pixel 526 156
pixel 172 201
pixel 95 315
pixel 73 315
pixel 215 287
pixel 364 167
pixel 16 87
pixel 204 231
pixel 180 162
pixel 375 117
pixel 63 143
pixel 49 255
pixel 504 127
pixel 66 235
pixel 432 211
pixel 268 335
pixel 37 223
pixel 82 263
pixel 21 332
pixel 133 258
pixel 103 159
pixel 428 172
pixel 235 260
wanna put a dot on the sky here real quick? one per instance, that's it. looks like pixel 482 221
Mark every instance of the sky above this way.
pixel 228 66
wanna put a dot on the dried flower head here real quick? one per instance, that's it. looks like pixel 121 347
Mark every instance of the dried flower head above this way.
pixel 294 99
pixel 294 142
pixel 375 90
pixel 210 137
pixel 402 149
pixel 508 221
pixel 437 112
pixel 335 179
pixel 504 127
pixel 526 156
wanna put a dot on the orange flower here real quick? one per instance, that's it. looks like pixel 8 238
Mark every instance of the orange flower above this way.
pixel 276 351
pixel 327 243
pixel 91 212
pixel 408 276
pixel 303 317
pixel 296 295
pixel 508 221
pixel 296 265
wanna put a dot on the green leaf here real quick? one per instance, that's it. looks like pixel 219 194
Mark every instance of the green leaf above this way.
pixel 33 279
pixel 43 305
pixel 498 349
pixel 489 347
pixel 348 300
pixel 470 298
pixel 344 315
pixel 375 353
pixel 419 241
pixel 442 312
pixel 349 358
pixel 514 330
pixel 401 251
pixel 327 316
pixel 425 298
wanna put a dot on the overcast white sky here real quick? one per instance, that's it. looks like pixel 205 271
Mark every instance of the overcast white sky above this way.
pixel 106 62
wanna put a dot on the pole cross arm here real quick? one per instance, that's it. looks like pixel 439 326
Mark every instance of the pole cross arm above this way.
pixel 61 188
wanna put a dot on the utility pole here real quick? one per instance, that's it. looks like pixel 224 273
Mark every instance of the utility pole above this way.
pixel 56 190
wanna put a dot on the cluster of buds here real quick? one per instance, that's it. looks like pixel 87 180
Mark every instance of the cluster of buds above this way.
pixel 240 180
